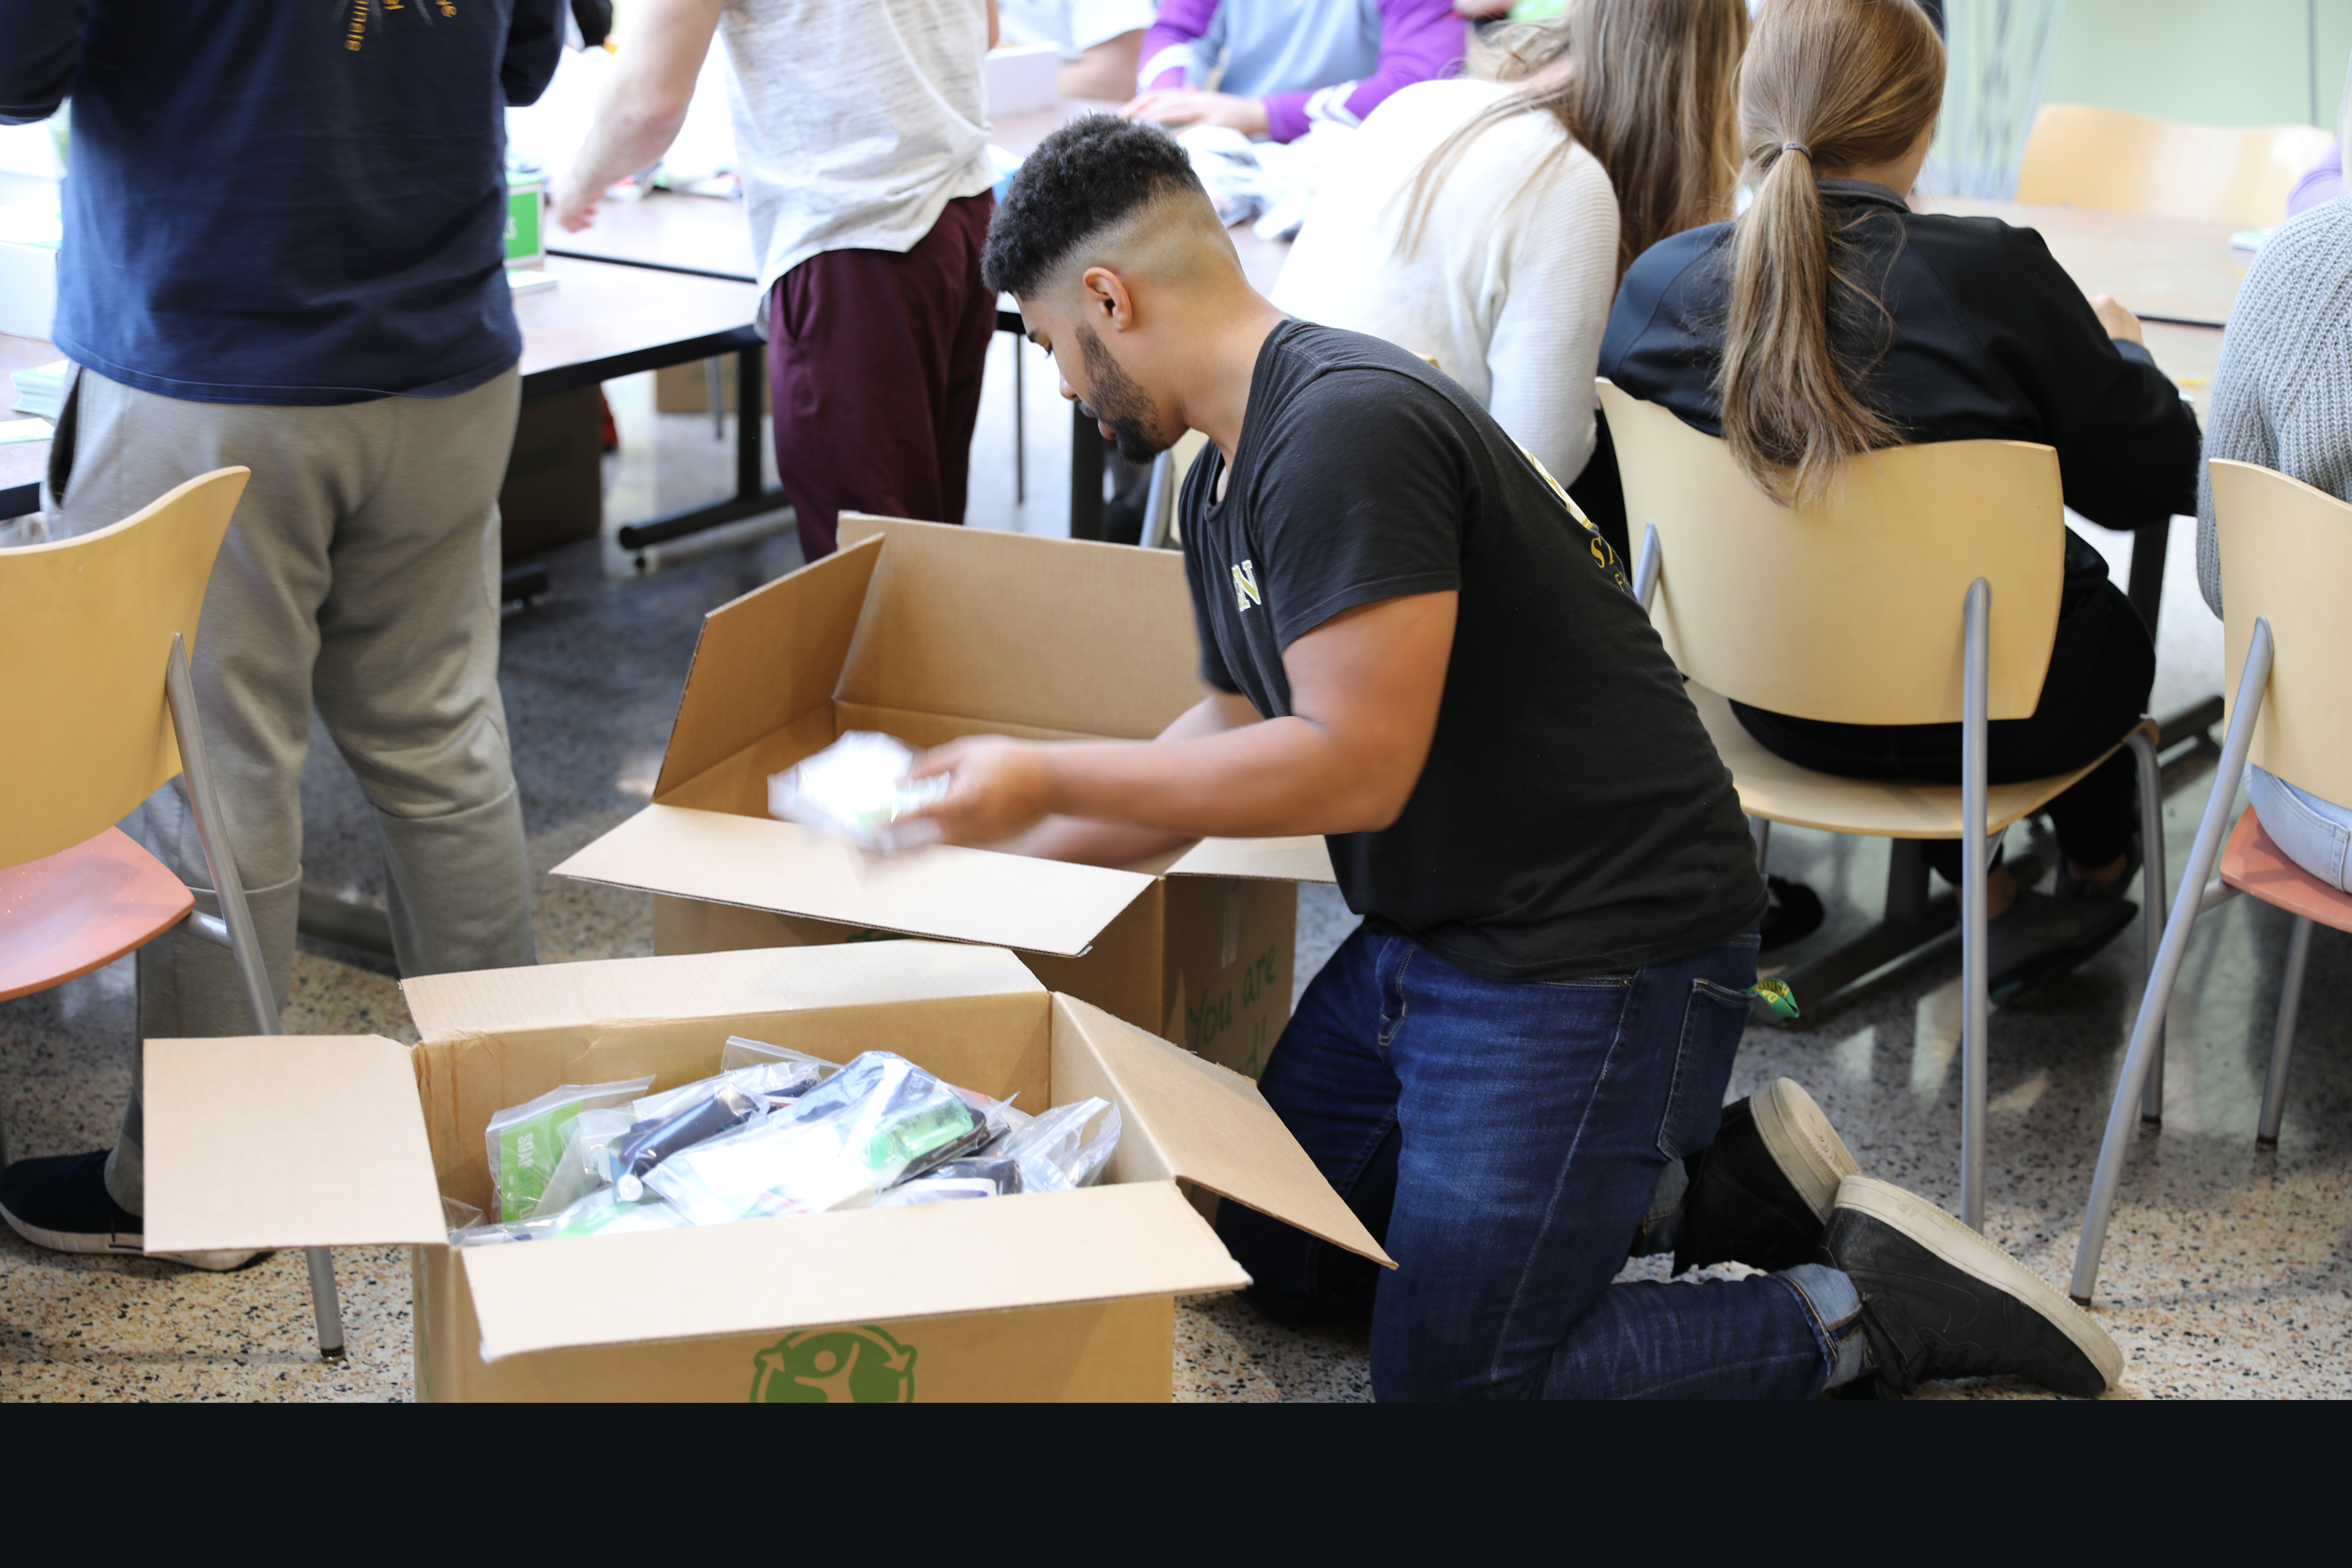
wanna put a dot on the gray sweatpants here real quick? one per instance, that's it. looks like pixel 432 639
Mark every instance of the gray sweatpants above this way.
pixel 361 575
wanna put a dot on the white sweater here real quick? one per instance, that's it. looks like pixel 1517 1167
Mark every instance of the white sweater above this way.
pixel 1510 288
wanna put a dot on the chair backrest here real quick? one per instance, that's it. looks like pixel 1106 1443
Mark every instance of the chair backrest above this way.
pixel 86 626
pixel 1850 612
pixel 2084 157
pixel 2286 557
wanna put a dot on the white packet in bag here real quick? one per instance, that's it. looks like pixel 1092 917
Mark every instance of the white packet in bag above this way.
pixel 858 789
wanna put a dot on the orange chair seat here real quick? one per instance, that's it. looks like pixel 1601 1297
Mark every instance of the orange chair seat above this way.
pixel 80 909
pixel 2252 864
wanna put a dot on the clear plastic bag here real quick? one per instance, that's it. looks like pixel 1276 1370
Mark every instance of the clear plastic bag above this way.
pixel 1055 1153
pixel 935 1190
pixel 878 1120
pixel 599 1214
pixel 524 1141
pixel 582 1168
pixel 786 1075
pixel 648 1143
pixel 858 789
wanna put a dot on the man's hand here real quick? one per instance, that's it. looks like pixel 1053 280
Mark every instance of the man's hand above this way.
pixel 572 206
pixel 1193 106
pixel 2119 322
pixel 1000 787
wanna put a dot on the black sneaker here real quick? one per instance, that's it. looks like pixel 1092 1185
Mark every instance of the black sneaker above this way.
pixel 1938 1300
pixel 61 1203
pixel 2039 938
pixel 1760 1192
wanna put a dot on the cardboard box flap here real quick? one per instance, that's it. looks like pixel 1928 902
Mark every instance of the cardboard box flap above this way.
pixel 1305 860
pixel 768 658
pixel 707 985
pixel 874 1266
pixel 1212 1128
pixel 286 1140
pixel 963 895
pixel 1006 628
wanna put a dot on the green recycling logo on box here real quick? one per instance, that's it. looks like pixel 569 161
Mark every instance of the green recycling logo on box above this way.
pixel 834 1367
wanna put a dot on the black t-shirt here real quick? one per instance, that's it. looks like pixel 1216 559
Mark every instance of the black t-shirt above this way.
pixel 1572 817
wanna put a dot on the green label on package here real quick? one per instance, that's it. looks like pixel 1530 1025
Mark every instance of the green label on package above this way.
pixel 526 1155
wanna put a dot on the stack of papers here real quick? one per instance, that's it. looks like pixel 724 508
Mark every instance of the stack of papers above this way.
pixel 41 391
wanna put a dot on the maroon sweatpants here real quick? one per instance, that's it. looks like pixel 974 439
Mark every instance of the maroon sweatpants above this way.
pixel 875 362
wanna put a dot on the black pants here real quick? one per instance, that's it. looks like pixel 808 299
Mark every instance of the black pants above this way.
pixel 2100 667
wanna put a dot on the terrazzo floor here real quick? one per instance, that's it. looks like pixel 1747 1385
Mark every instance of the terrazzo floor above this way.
pixel 2226 1272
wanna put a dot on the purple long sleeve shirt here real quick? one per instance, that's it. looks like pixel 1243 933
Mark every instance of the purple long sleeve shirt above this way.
pixel 1308 62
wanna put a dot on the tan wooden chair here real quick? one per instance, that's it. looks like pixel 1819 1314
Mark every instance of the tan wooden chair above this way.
pixel 2080 156
pixel 99 711
pixel 1877 608
pixel 2286 552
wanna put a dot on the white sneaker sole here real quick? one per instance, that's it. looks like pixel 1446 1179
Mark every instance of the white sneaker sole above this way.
pixel 116 1244
pixel 1803 1145
pixel 1964 1250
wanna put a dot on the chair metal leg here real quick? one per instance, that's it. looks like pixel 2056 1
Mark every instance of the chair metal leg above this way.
pixel 1020 458
pixel 1975 878
pixel 244 943
pixel 2152 902
pixel 2140 1056
pixel 714 380
pixel 2298 955
pixel 1646 567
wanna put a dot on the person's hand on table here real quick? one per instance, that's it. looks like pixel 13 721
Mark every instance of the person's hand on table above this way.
pixel 571 205
pixel 2119 321
pixel 999 787
pixel 1193 106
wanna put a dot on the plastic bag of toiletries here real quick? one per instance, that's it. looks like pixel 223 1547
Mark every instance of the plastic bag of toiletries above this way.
pixel 861 1131
pixel 524 1141
pixel 583 1168
pixel 1054 1151
pixel 767 1073
pixel 858 789
pixel 601 1212
pixel 935 1190
pixel 648 1143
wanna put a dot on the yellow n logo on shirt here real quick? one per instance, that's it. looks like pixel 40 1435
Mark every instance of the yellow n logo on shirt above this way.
pixel 1245 592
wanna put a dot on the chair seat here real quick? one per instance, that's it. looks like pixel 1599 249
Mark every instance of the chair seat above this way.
pixel 1778 790
pixel 80 909
pixel 2253 863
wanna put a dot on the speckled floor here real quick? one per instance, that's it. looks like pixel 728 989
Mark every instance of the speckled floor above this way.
pixel 2226 1273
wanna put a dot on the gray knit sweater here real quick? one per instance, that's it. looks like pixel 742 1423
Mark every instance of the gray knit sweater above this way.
pixel 2282 397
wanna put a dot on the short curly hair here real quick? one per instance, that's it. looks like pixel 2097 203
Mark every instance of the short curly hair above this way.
pixel 1090 175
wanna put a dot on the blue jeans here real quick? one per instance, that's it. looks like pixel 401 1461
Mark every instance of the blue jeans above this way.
pixel 2315 833
pixel 1505 1140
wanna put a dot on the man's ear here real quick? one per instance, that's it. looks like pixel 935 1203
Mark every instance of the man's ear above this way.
pixel 1105 301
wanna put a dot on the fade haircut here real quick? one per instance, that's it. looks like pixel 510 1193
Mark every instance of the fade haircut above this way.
pixel 1084 180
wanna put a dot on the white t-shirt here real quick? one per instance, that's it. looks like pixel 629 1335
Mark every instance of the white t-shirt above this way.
pixel 856 122
pixel 1510 288
pixel 1076 25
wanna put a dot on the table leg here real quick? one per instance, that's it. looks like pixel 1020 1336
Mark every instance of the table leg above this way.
pixel 1085 477
pixel 749 499
pixel 1020 404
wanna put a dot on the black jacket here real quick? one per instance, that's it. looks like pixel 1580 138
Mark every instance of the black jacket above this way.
pixel 1989 339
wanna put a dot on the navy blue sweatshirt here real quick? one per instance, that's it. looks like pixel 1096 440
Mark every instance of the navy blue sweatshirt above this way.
pixel 283 202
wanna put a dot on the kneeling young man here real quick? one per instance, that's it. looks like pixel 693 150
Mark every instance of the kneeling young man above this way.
pixel 1515 1069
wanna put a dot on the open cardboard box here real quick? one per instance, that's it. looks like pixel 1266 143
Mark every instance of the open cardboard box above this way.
pixel 351 1141
pixel 929 632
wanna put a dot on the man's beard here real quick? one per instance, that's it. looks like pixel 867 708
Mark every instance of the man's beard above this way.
pixel 1119 403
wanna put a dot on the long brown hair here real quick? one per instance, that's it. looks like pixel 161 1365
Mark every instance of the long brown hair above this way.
pixel 1827 84
pixel 1645 86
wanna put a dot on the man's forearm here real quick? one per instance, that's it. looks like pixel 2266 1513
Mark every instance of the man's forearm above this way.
pixel 1277 779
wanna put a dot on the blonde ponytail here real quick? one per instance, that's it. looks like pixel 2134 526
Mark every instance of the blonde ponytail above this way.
pixel 1827 85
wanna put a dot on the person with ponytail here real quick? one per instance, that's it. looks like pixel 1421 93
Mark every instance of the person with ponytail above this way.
pixel 1483 223
pixel 1830 319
